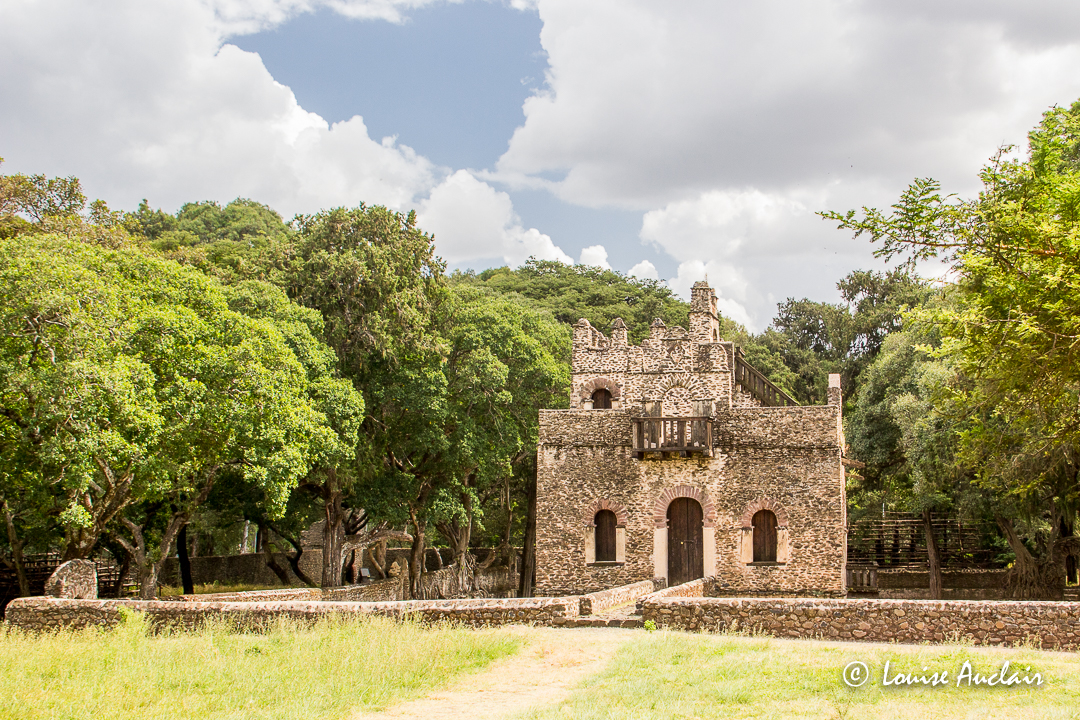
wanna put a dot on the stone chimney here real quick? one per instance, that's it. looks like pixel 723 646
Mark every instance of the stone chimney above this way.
pixel 618 332
pixel 834 389
pixel 658 330
pixel 704 320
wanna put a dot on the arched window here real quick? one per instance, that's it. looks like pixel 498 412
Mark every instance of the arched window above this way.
pixel 601 399
pixel 605 536
pixel 764 536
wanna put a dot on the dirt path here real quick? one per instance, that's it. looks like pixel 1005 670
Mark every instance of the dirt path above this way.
pixel 551 662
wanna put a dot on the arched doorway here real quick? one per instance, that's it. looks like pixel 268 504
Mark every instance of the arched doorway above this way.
pixel 601 399
pixel 686 559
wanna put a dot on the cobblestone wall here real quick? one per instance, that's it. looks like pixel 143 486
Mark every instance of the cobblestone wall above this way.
pixel 786 459
pixel 43 613
pixel 1054 625
pixel 701 587
pixel 598 602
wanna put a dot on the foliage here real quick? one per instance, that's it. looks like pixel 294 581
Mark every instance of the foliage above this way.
pixel 571 292
pixel 127 383
pixel 1014 331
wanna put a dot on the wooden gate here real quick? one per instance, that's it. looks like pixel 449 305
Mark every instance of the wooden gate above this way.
pixel 686 559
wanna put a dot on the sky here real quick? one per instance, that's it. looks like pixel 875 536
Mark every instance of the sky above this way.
pixel 672 140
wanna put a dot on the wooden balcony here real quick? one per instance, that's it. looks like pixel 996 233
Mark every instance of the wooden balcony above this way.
pixel 673 437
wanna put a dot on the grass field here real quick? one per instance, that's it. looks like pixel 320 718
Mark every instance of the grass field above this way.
pixel 325 671
pixel 673 675
pixel 165 591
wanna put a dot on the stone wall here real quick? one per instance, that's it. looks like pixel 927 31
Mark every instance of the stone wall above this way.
pixel 783 459
pixel 602 600
pixel 702 587
pixel 1052 625
pixel 43 613
pixel 440 584
pixel 956 584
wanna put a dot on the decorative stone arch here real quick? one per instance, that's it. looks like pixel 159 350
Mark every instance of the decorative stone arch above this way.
pixel 598 383
pixel 708 509
pixel 621 515
pixel 745 550
pixel 660 528
pixel 752 509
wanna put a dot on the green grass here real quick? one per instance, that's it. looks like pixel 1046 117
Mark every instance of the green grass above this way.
pixel 214 587
pixel 290 671
pixel 674 675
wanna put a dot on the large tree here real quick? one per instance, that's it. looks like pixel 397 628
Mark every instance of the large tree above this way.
pixel 1014 333
pixel 129 384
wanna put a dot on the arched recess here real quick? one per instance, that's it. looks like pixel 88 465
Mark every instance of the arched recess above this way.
pixel 764 504
pixel 661 505
pixel 598 383
pixel 621 517
pixel 745 551
pixel 660 527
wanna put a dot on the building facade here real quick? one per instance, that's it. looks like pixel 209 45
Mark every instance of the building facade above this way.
pixel 677 459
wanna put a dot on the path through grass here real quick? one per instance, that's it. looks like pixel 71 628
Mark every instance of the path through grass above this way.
pixel 676 675
pixel 326 671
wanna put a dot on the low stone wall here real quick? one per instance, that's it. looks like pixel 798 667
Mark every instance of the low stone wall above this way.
pixel 600 601
pixel 702 587
pixel 1052 625
pixel 956 584
pixel 45 613
pixel 391 589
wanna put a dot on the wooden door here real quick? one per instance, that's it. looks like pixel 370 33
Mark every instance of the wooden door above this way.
pixel 764 536
pixel 605 536
pixel 686 557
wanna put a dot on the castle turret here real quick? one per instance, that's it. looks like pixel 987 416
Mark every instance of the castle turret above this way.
pixel 704 320
pixel 618 332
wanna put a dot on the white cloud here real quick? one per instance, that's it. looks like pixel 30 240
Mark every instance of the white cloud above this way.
pixel 649 103
pixel 472 221
pixel 644 270
pixel 142 100
pixel 594 255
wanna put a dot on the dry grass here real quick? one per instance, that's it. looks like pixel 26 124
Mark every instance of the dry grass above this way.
pixel 165 591
pixel 325 671
pixel 675 675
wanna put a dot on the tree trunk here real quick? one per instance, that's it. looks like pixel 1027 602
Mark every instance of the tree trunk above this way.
pixel 528 562
pixel 262 544
pixel 1070 559
pixel 377 553
pixel 1032 578
pixel 332 536
pixel 184 561
pixel 934 556
pixel 294 558
pixel 16 552
pixel 416 557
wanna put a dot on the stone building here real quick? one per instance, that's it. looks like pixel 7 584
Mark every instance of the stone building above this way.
pixel 677 459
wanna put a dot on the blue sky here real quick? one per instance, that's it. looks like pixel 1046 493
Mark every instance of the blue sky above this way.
pixel 673 140
pixel 448 82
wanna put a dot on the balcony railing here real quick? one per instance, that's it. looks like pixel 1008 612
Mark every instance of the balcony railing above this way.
pixel 749 380
pixel 668 435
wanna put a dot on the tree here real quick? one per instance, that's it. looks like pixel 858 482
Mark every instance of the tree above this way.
pixel 374 277
pixel 1014 332
pixel 571 292
pixel 129 383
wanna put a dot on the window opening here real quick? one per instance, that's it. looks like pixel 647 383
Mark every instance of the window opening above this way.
pixel 605 536
pixel 764 536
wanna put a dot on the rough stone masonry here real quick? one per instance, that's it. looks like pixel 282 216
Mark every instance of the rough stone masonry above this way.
pixel 761 452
